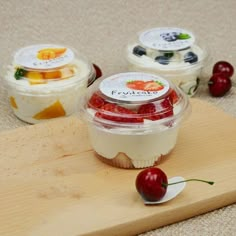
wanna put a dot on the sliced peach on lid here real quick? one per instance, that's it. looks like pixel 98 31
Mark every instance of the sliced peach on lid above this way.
pixel 50 53
pixel 13 102
pixel 53 111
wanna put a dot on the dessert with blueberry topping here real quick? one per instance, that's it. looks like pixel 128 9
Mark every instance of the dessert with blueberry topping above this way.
pixel 169 52
pixel 134 118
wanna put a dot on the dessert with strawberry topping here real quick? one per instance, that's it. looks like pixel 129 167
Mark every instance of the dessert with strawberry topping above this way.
pixel 169 52
pixel 46 81
pixel 134 118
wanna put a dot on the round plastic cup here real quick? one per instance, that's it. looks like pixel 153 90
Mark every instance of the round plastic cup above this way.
pixel 46 81
pixel 134 118
pixel 173 53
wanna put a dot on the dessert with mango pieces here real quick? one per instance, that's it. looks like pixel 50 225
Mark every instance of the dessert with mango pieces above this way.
pixel 46 81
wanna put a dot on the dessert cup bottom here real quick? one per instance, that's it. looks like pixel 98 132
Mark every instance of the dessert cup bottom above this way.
pixel 123 161
pixel 132 150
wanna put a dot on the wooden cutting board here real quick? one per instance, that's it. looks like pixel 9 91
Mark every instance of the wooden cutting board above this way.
pixel 53 184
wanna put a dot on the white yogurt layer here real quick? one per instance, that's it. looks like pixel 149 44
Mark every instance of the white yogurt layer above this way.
pixel 143 149
pixel 143 146
pixel 33 99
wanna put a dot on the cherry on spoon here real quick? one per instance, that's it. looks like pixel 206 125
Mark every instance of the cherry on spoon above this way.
pixel 152 184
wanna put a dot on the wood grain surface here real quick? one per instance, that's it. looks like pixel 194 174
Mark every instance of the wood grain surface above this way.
pixel 53 184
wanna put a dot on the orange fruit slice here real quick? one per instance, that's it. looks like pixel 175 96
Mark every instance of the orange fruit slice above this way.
pixel 50 53
pixel 35 77
pixel 53 111
pixel 52 75
pixel 13 102
pixel 63 73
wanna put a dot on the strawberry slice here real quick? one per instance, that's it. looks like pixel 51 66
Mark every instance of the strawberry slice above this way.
pixel 109 107
pixel 173 96
pixel 149 111
pixel 167 107
pixel 152 86
pixel 114 111
pixel 96 101
pixel 136 84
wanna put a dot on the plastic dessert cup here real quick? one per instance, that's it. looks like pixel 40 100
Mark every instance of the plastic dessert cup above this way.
pixel 46 81
pixel 134 118
pixel 172 53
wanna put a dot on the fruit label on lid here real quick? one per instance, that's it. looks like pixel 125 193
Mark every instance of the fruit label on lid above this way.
pixel 134 87
pixel 167 39
pixel 43 56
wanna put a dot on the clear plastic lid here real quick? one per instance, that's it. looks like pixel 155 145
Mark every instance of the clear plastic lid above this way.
pixel 135 99
pixel 167 48
pixel 48 66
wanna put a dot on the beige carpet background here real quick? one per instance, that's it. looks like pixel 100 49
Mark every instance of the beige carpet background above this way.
pixel 100 29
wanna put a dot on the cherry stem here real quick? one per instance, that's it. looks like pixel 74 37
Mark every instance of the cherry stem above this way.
pixel 200 180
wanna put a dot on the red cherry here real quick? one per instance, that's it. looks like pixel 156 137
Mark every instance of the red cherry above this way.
pixel 219 85
pixel 151 184
pixel 98 71
pixel 223 67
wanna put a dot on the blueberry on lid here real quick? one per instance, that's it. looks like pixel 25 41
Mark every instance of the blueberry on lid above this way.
pixel 190 57
pixel 170 37
pixel 139 51
pixel 162 60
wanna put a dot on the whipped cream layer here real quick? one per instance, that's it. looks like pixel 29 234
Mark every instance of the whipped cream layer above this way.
pixel 143 146
pixel 61 96
pixel 143 149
